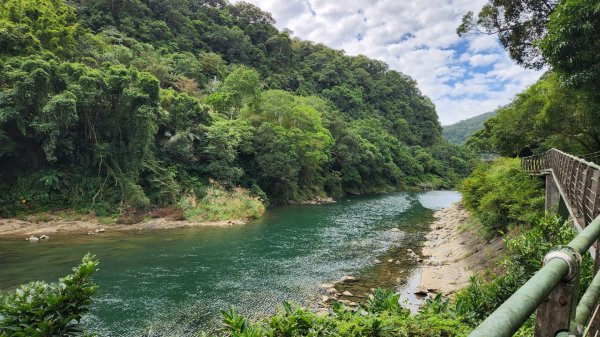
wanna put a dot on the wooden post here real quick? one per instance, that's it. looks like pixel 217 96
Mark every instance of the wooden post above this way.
pixel 552 195
pixel 556 313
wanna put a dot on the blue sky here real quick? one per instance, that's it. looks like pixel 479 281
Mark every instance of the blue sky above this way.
pixel 463 76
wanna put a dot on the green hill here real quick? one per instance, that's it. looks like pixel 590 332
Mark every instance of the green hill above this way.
pixel 460 132
pixel 133 105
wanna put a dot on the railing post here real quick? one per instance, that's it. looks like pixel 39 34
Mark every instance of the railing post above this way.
pixel 558 311
pixel 552 195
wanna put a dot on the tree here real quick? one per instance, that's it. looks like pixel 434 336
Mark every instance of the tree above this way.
pixel 572 45
pixel 519 24
pixel 51 24
pixel 240 88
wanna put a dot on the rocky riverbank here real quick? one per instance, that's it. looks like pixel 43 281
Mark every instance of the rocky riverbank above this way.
pixel 89 225
pixel 454 251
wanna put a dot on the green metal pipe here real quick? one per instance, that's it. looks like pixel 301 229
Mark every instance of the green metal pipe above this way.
pixel 586 238
pixel 509 317
pixel 587 304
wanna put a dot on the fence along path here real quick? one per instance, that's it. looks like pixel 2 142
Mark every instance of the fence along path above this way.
pixel 578 180
pixel 553 292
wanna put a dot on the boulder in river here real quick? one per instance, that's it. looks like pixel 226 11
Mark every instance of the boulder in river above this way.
pixel 348 279
pixel 33 239
pixel 326 285
pixel 100 230
pixel 347 293
pixel 44 237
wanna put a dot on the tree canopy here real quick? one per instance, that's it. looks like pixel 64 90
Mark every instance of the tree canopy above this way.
pixel 131 105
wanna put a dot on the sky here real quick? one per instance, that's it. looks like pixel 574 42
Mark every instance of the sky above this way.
pixel 464 77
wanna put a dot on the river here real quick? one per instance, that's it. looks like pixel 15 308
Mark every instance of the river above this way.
pixel 175 282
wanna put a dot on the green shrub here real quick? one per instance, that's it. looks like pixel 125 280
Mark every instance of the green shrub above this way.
pixel 525 254
pixel 40 309
pixel 381 316
pixel 221 204
pixel 500 195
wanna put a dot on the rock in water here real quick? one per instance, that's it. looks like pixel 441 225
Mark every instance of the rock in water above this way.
pixel 348 279
pixel 44 237
pixel 326 285
pixel 33 239
pixel 347 293
pixel 100 230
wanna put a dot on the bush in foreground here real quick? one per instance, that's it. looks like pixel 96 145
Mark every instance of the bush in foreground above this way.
pixel 40 309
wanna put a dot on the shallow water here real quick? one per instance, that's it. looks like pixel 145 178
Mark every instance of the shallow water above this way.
pixel 174 282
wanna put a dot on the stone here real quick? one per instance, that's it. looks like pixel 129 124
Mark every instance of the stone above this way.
pixel 420 292
pixel 391 260
pixel 100 230
pixel 377 261
pixel 326 285
pixel 331 291
pixel 348 279
pixel 410 251
pixel 44 237
pixel 347 293
pixel 91 233
pixel 33 239
pixel 352 304
pixel 325 298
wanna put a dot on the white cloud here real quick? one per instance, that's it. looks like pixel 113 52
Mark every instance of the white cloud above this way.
pixel 463 76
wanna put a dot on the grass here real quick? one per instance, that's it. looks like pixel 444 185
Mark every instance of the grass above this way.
pixel 221 204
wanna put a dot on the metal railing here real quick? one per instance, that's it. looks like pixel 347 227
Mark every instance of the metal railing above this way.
pixel 578 179
pixel 554 290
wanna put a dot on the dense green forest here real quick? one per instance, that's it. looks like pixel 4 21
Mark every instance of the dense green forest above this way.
pixel 458 133
pixel 140 104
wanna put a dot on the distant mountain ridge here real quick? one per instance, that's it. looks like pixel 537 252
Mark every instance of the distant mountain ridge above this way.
pixel 458 133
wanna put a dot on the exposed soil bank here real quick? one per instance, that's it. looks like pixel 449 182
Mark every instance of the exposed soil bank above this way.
pixel 454 252
pixel 13 228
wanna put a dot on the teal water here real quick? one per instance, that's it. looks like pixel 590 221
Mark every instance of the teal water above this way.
pixel 174 282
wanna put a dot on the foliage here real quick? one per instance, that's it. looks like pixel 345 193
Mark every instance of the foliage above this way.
pixel 525 254
pixel 40 309
pixel 500 195
pixel 545 115
pixel 119 106
pixel 459 132
pixel 571 44
pixel 519 25
pixel 219 205
pixel 380 317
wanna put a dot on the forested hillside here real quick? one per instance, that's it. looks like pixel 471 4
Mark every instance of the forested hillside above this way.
pixel 140 104
pixel 459 132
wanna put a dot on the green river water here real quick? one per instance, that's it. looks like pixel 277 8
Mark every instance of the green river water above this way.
pixel 174 282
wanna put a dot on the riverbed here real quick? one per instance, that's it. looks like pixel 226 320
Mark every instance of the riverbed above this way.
pixel 175 282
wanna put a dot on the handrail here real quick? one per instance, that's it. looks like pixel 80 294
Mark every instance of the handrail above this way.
pixel 553 290
pixel 579 179
pixel 509 317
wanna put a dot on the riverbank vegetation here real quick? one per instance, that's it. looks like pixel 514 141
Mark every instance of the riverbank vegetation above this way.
pixel 117 107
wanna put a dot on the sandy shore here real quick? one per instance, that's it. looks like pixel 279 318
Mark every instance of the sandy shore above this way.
pixel 453 252
pixel 17 228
